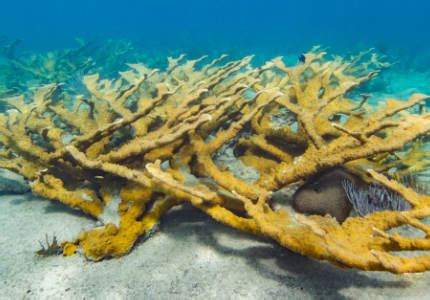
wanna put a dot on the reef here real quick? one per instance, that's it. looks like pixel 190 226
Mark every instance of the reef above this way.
pixel 21 69
pixel 134 147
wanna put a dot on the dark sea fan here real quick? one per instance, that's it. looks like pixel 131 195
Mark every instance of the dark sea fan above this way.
pixel 417 183
pixel 373 198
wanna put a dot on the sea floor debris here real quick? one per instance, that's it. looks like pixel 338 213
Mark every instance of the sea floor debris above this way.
pixel 136 146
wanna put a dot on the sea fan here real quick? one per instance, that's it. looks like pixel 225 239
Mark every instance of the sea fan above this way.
pixel 373 198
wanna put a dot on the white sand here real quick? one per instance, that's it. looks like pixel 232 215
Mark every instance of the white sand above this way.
pixel 190 256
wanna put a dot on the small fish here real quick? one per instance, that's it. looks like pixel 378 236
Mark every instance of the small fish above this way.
pixel 212 185
pixel 302 58
pixel 209 182
pixel 99 177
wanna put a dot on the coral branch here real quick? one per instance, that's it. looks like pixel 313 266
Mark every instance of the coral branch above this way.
pixel 132 148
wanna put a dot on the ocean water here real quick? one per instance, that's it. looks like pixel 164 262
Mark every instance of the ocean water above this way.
pixel 267 29
pixel 188 255
pixel 250 25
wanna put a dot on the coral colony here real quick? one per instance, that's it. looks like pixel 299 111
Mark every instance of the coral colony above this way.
pixel 132 148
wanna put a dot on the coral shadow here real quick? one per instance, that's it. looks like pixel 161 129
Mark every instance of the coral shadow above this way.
pixel 319 279
pixel 51 207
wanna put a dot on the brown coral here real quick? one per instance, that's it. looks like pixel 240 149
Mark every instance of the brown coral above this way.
pixel 324 195
pixel 145 142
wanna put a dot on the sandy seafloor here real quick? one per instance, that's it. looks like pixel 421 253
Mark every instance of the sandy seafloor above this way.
pixel 189 257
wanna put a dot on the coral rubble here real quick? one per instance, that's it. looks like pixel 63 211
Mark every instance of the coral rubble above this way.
pixel 134 147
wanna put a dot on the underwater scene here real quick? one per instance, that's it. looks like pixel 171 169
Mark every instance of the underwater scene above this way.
pixel 214 149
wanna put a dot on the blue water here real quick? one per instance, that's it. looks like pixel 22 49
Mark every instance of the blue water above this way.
pixel 271 25
pixel 267 28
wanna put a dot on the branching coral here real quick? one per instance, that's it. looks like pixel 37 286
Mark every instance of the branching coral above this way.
pixel 141 144
pixel 21 69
